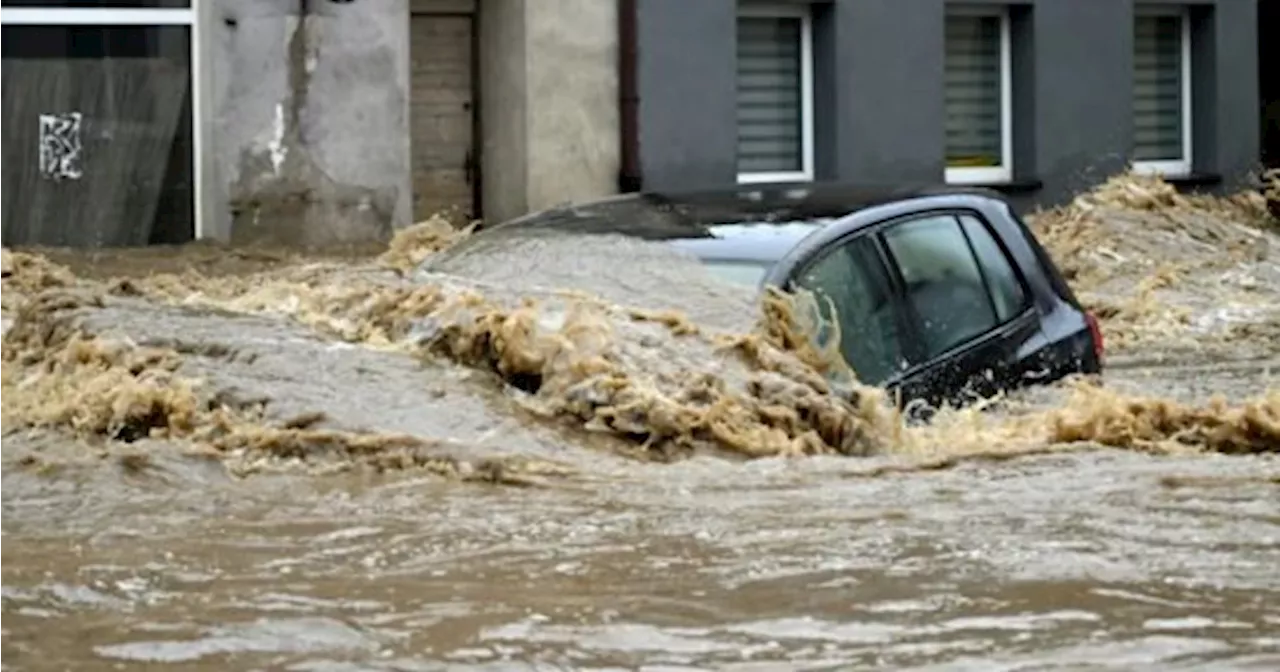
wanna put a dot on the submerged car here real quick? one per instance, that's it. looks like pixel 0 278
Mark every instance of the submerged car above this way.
pixel 941 294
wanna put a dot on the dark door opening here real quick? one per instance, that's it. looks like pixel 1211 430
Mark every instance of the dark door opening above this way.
pixel 442 117
pixel 1269 80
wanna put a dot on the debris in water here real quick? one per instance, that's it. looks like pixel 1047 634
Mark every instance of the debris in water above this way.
pixel 413 244
pixel 1174 482
pixel 1105 417
pixel 27 273
pixel 56 375
pixel 1146 258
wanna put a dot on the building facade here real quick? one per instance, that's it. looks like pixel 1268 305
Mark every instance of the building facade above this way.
pixel 1040 98
pixel 314 122
pixel 299 122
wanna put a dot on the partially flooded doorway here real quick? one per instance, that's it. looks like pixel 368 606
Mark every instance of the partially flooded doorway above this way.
pixel 442 115
pixel 98 123
pixel 1269 81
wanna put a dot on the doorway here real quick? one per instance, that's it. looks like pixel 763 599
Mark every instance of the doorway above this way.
pixel 1269 80
pixel 442 115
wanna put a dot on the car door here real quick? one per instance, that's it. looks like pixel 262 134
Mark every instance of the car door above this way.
pixel 968 307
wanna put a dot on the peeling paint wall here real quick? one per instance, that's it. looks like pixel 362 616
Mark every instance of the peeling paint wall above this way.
pixel 310 108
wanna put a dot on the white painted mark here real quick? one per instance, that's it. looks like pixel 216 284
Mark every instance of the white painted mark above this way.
pixel 60 146
pixel 276 146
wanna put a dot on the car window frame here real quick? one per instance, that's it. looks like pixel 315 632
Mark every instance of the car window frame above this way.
pixel 1028 300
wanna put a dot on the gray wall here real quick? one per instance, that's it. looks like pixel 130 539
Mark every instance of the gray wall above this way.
pixel 685 81
pixel 878 94
pixel 504 110
pixel 310 121
pixel 549 103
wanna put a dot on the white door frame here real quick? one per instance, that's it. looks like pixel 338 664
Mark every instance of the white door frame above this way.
pixel 102 16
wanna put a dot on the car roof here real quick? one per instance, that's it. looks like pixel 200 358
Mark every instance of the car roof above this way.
pixel 746 222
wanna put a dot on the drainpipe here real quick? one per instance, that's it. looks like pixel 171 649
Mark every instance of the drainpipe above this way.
pixel 629 177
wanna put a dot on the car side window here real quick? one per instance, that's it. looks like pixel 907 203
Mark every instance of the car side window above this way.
pixel 855 281
pixel 1002 281
pixel 943 282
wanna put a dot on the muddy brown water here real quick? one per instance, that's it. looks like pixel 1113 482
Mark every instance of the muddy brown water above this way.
pixel 156 555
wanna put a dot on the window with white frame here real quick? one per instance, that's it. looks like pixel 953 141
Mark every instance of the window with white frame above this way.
pixel 775 93
pixel 978 95
pixel 102 115
pixel 1162 91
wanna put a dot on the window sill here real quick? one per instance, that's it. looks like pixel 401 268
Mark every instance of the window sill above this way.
pixel 1189 180
pixel 774 178
pixel 1184 180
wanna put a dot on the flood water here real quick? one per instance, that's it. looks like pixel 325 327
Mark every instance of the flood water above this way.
pixel 514 532
pixel 1130 563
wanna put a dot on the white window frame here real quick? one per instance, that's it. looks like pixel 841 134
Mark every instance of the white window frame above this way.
pixel 800 11
pixel 1173 167
pixel 1004 171
pixel 171 16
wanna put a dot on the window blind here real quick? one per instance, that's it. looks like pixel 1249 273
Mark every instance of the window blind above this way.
pixel 769 105
pixel 1157 96
pixel 972 91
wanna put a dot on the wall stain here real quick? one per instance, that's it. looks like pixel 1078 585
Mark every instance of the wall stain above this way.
pixel 294 202
pixel 299 74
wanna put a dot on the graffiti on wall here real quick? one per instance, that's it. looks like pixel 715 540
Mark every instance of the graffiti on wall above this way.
pixel 60 146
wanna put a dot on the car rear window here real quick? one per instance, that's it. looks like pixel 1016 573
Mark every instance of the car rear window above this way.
pixel 736 271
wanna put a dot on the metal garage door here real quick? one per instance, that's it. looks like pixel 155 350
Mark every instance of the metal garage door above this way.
pixel 441 108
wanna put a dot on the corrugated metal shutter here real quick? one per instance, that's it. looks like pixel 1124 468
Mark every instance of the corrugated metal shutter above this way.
pixel 769 104
pixel 1157 100
pixel 972 85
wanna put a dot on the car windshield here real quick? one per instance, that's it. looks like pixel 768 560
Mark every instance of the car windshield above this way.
pixel 736 271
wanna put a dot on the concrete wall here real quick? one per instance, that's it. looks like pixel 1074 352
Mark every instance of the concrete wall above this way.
pixel 309 114
pixel 503 110
pixel 309 136
pixel 548 103
pixel 878 98
pixel 572 68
